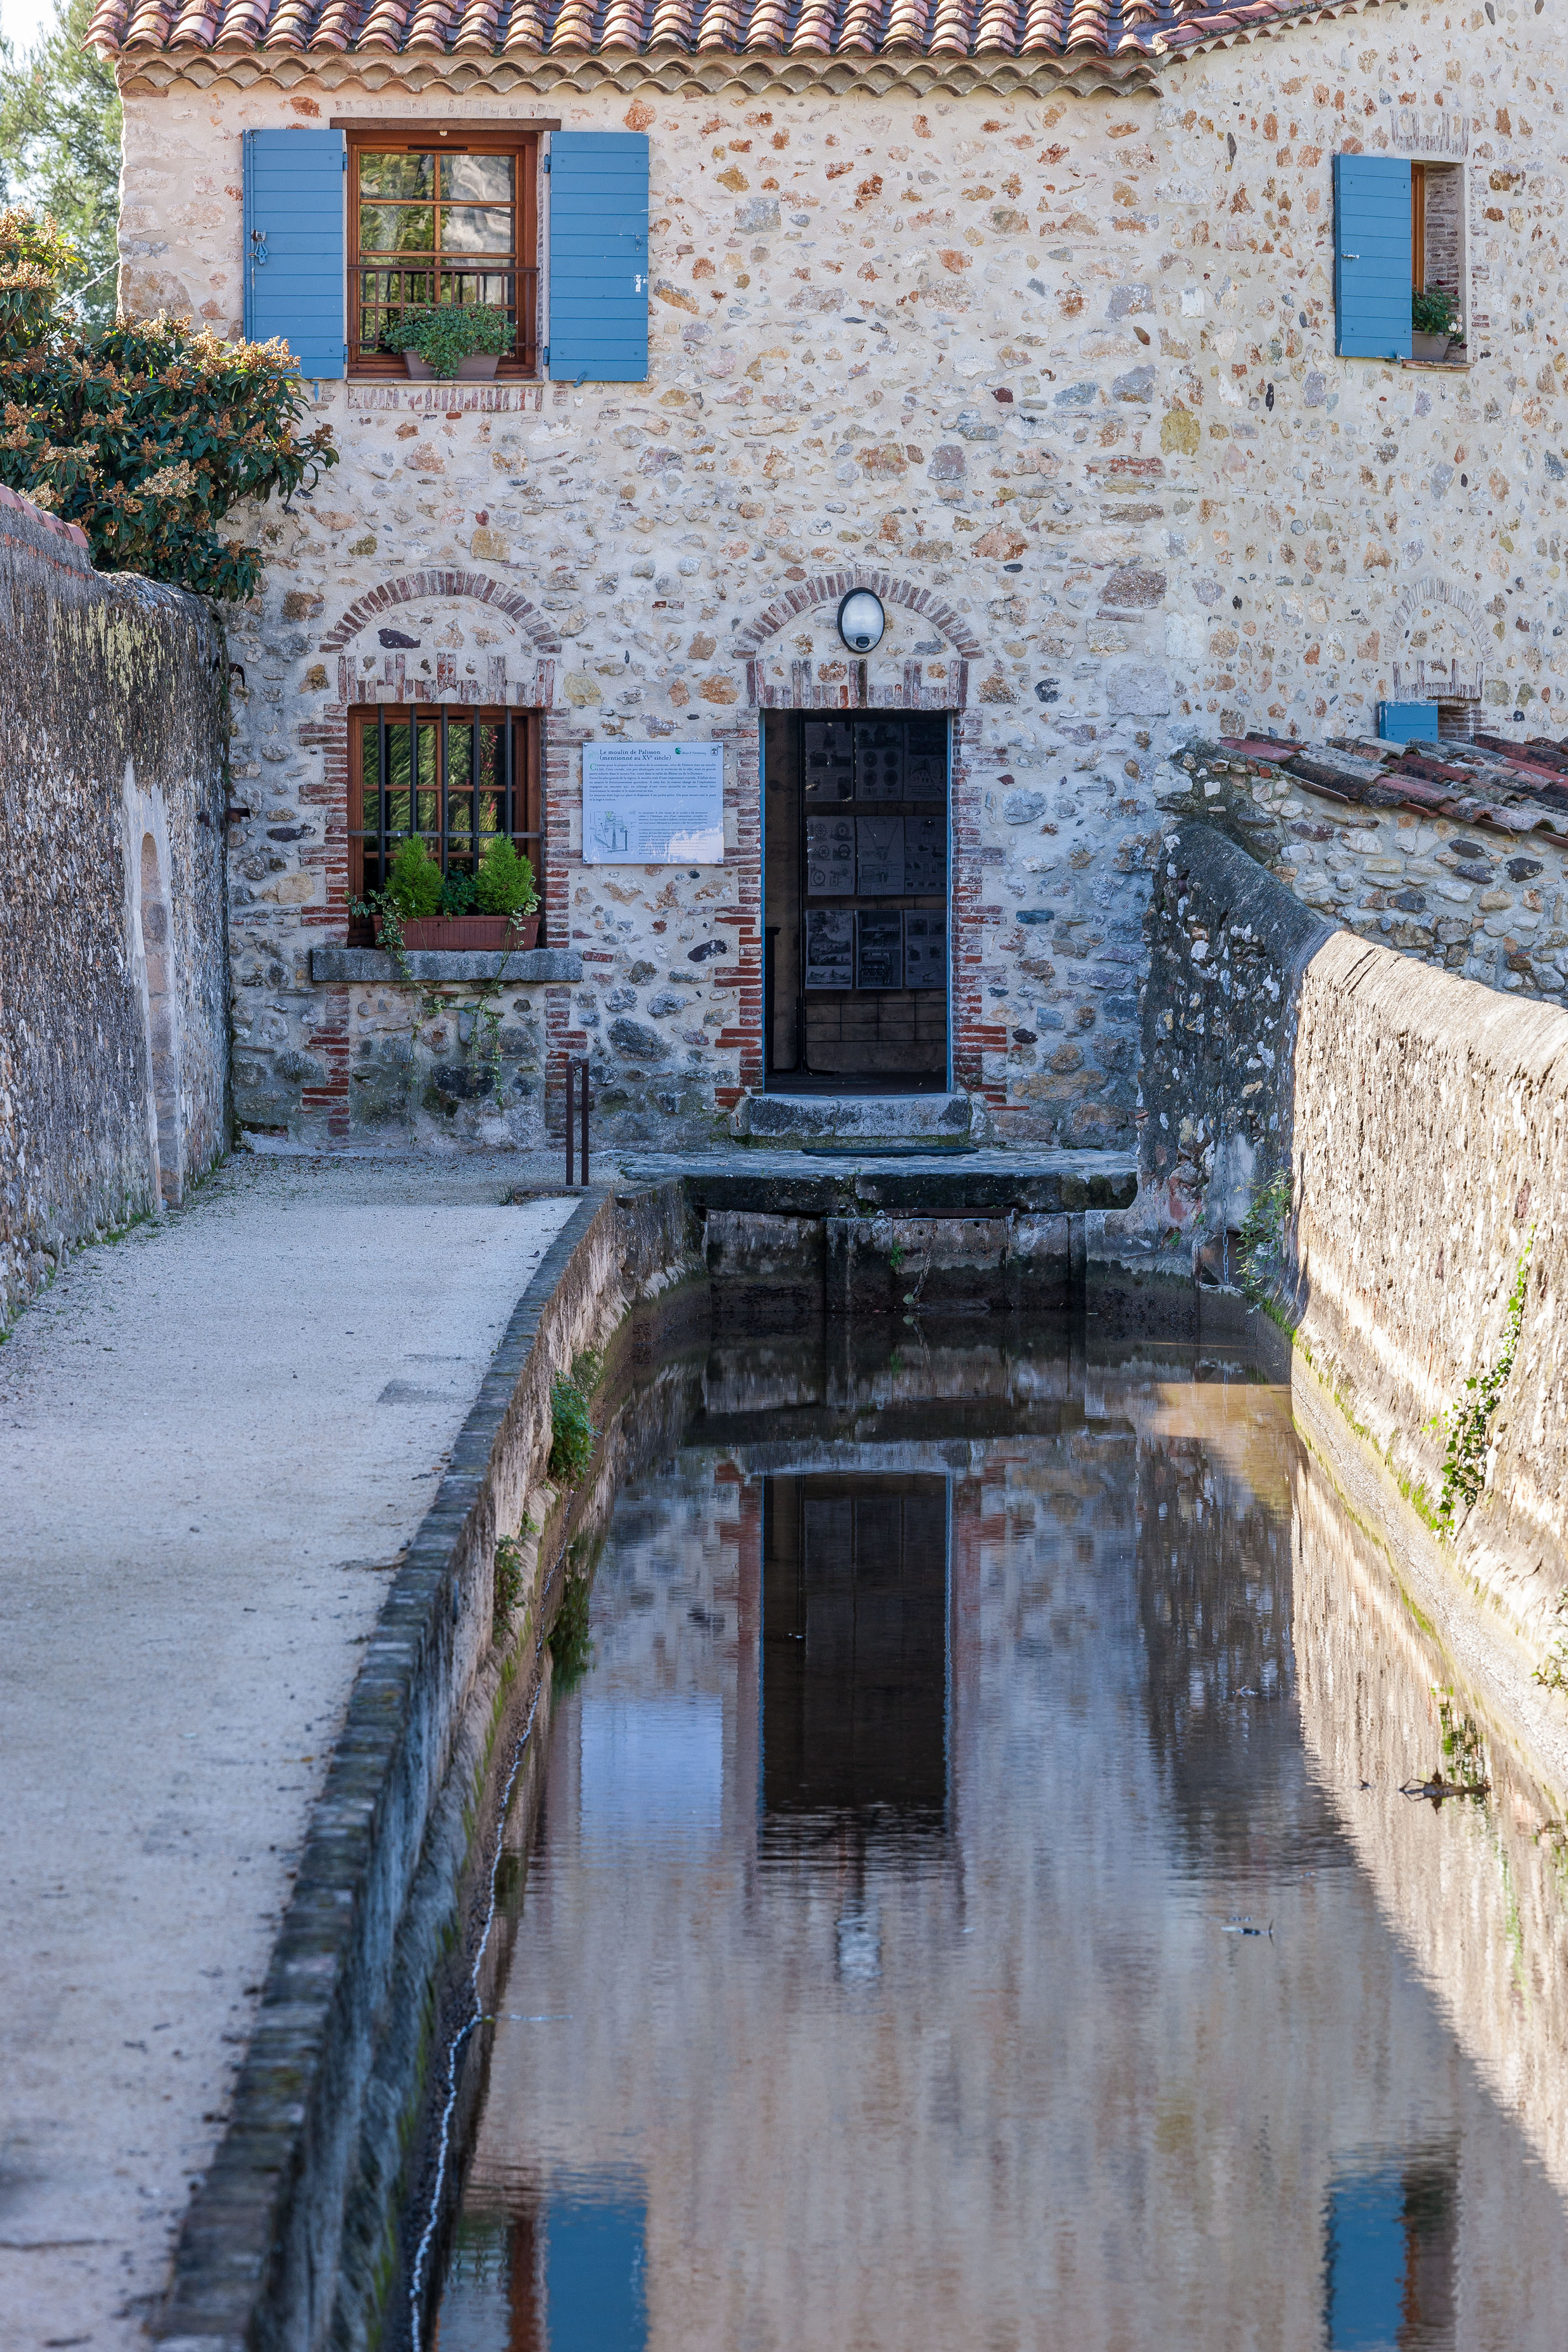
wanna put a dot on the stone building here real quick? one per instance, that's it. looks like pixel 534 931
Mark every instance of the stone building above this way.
pixel 1029 317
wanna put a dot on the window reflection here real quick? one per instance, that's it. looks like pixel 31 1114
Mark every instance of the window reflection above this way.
pixel 1391 2236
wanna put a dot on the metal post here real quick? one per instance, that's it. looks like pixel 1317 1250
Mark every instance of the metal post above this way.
pixel 582 1068
pixel 474 787
pixel 571 1105
pixel 383 785
pixel 441 782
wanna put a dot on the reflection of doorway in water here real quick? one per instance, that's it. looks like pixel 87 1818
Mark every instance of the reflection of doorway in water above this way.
pixel 1391 2250
pixel 856 983
pixel 854 1656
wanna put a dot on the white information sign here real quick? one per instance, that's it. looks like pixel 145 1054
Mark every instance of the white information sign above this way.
pixel 652 804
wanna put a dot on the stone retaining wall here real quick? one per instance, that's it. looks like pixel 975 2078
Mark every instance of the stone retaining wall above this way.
pixel 1465 897
pixel 259 2257
pixel 1424 1123
pixel 113 1020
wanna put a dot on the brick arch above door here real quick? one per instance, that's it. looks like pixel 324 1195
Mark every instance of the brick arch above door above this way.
pixel 897 680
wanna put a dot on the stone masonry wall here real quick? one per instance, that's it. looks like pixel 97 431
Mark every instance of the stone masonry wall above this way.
pixel 1423 1121
pixel 1469 898
pixel 1052 368
pixel 113 1015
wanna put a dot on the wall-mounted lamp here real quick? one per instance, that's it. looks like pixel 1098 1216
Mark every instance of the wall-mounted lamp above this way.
pixel 861 621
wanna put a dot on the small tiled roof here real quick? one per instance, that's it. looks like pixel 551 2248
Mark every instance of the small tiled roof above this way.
pixel 1125 30
pixel 1516 787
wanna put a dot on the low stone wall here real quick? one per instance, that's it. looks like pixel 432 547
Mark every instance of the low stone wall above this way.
pixel 113 989
pixel 1424 1123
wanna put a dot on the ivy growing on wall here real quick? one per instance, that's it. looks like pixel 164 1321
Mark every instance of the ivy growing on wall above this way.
pixel 1466 1424
pixel 149 435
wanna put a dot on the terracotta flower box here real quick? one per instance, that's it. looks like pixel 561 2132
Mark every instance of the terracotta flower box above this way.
pixel 477 368
pixel 489 933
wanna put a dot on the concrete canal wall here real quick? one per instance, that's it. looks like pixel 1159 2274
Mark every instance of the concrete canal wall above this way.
pixel 1421 1119
pixel 114 965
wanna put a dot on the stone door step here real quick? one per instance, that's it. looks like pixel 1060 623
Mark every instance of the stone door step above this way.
pixel 801 1121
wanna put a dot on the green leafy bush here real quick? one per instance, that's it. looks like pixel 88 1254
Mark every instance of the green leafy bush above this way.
pixel 147 435
pixel 504 882
pixel 414 884
pixel 457 893
pixel 572 1432
pixel 1433 312
pixel 449 332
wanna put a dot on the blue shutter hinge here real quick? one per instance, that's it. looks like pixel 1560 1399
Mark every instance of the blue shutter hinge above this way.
pixel 344 159
pixel 547 166
pixel 547 355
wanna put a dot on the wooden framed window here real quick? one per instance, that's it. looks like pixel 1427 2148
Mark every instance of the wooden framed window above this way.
pixel 440 215
pixel 455 777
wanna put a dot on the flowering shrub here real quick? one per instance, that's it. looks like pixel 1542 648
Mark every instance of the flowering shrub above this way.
pixel 146 435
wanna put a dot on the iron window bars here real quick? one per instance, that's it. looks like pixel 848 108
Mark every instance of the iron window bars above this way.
pixel 435 222
pixel 458 778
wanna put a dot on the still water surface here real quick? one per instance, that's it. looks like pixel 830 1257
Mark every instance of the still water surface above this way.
pixel 971 1903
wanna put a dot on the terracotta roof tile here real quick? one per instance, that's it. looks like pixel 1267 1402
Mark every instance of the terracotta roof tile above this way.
pixel 1150 29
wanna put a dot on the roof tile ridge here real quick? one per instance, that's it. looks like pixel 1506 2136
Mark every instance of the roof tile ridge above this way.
pixel 712 25
pixel 907 22
pixel 525 29
pixel 770 26
pixel 816 29
pixel 1041 28
pixel 674 24
pixel 479 27
pixel 952 28
pixel 860 27
pixel 336 25
pixel 998 28
pixel 383 24
pixel 624 21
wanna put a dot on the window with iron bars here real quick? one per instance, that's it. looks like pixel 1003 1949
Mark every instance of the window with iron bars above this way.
pixel 458 778
pixel 440 215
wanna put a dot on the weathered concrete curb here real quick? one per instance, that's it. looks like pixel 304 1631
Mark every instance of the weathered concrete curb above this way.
pixel 257 2260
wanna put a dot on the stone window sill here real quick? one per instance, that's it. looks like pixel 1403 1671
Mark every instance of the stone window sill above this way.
pixel 436 966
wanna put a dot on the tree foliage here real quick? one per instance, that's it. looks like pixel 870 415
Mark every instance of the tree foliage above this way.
pixel 59 151
pixel 146 435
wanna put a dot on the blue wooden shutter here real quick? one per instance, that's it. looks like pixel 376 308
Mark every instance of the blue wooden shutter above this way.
pixel 1372 256
pixel 599 256
pixel 294 268
pixel 1408 722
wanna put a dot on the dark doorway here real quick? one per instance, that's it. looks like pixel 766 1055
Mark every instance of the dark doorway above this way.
pixel 856 901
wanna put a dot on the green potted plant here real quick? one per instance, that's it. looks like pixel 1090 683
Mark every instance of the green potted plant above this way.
pixel 496 908
pixel 462 340
pixel 1432 317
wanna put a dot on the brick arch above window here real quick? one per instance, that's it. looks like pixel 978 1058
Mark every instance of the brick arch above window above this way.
pixel 420 587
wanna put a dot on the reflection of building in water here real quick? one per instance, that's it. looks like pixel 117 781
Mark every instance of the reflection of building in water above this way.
pixel 1021 2082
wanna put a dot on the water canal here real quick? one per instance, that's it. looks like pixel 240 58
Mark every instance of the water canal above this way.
pixel 968 1901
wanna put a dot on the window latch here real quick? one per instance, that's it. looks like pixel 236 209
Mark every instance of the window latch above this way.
pixel 258 246
pixel 1350 256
